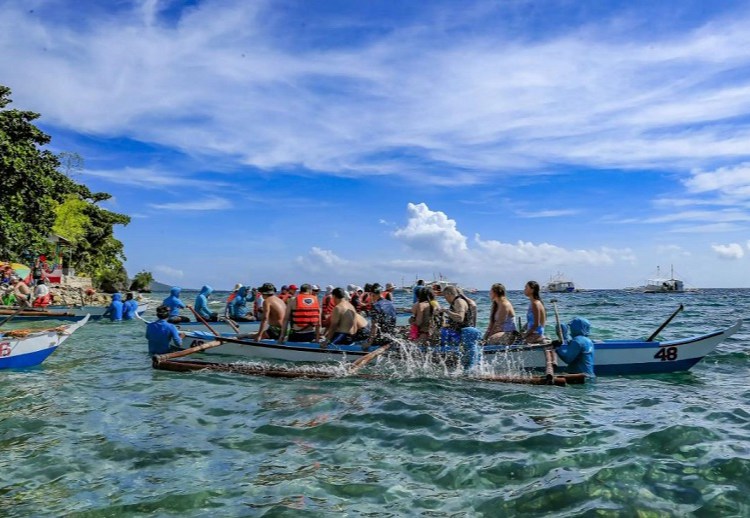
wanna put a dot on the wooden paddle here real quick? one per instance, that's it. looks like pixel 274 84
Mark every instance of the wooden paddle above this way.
pixel 361 362
pixel 158 358
pixel 201 319
pixel 7 319
pixel 232 324
pixel 666 322
pixel 558 329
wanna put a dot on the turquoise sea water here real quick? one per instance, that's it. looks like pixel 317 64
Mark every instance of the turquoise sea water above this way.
pixel 95 431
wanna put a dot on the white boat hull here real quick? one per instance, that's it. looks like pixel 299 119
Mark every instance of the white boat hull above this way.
pixel 34 348
pixel 612 357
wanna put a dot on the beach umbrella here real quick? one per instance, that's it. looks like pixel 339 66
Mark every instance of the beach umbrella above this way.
pixel 23 271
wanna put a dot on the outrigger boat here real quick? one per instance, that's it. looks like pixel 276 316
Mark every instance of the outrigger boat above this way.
pixel 21 348
pixel 64 313
pixel 612 357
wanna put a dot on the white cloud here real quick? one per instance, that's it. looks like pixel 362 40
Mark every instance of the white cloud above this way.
pixel 733 181
pixel 210 203
pixel 437 240
pixel 320 260
pixel 732 251
pixel 428 231
pixel 480 102
pixel 168 271
pixel 147 178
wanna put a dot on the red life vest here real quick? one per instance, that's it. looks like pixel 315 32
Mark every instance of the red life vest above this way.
pixel 284 296
pixel 307 312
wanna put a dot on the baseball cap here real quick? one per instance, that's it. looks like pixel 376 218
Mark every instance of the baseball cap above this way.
pixel 293 287
pixel 315 287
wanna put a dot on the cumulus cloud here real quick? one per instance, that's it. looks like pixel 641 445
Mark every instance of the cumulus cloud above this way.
pixel 435 236
pixel 320 260
pixel 428 231
pixel 732 251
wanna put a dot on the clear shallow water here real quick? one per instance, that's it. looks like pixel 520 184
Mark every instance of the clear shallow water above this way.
pixel 95 431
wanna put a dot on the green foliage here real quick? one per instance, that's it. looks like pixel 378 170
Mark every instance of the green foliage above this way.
pixel 142 281
pixel 71 218
pixel 38 198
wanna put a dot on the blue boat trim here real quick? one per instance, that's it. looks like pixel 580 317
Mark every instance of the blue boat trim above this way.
pixel 26 360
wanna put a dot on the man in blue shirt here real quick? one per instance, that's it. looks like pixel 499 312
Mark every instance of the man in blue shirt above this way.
pixel 161 334
pixel 383 316
pixel 129 307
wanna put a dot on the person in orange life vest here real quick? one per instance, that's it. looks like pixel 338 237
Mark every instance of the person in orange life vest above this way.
pixel 303 315
pixel 388 293
pixel 328 304
pixel 366 299
pixel 42 297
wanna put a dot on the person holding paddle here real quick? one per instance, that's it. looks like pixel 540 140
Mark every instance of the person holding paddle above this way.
pixel 578 351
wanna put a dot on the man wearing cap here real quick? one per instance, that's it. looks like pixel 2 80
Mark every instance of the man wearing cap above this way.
pixel 303 315
pixel 388 293
pixel 274 310
pixel 230 298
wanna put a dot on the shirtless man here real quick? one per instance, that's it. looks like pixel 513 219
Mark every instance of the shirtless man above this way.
pixel 347 325
pixel 21 291
pixel 274 310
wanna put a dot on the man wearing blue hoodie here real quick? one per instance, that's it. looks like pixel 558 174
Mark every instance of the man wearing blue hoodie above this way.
pixel 129 307
pixel 174 304
pixel 578 351
pixel 201 304
pixel 114 311
pixel 238 308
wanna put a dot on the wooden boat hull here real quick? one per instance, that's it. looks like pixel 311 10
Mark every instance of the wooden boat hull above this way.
pixel 34 348
pixel 63 313
pixel 612 357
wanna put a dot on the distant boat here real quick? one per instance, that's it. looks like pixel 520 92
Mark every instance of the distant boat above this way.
pixel 560 284
pixel 661 284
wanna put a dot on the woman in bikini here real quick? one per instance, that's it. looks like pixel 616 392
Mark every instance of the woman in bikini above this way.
pixel 502 327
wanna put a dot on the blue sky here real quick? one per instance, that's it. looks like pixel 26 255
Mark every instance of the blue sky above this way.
pixel 338 141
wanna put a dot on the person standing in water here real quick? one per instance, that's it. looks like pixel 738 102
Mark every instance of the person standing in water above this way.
pixel 536 316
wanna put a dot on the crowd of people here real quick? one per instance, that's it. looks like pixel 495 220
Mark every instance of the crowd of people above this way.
pixel 367 315
pixel 14 291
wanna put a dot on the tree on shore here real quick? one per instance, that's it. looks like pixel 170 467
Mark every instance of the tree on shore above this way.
pixel 38 198
pixel 142 281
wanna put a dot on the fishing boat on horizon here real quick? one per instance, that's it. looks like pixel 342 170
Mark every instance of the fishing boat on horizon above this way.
pixel 659 284
pixel 560 284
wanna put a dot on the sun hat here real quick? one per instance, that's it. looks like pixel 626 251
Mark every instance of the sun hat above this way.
pixel 389 286
pixel 267 289
pixel 315 287
pixel 237 286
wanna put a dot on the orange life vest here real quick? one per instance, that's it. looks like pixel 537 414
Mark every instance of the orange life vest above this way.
pixel 307 311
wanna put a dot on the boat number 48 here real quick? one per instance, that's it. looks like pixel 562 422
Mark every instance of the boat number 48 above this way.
pixel 666 354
